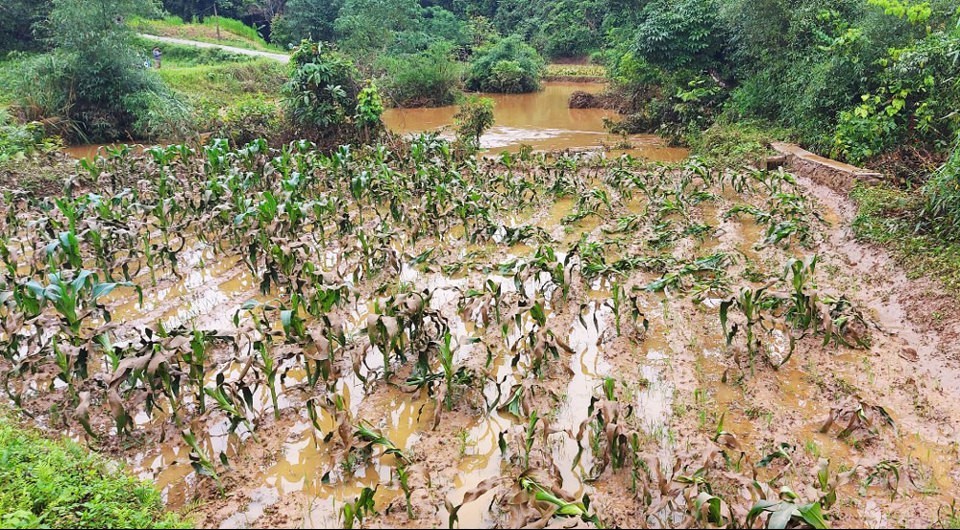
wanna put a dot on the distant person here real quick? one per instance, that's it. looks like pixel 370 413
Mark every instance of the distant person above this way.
pixel 156 56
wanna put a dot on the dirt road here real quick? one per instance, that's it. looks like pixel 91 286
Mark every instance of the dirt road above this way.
pixel 283 58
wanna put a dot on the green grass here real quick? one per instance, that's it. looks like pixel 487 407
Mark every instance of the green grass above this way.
pixel 210 89
pixel 177 56
pixel 226 82
pixel 45 484
pixel 588 71
pixel 9 64
pixel 730 145
pixel 887 216
pixel 232 32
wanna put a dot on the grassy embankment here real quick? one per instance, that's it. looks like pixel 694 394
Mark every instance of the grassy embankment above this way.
pixel 232 32
pixel 210 78
pixel 888 216
pixel 47 484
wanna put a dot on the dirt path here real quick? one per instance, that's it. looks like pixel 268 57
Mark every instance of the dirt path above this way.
pixel 232 49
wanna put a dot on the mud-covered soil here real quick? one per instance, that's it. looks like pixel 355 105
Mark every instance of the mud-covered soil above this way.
pixel 697 414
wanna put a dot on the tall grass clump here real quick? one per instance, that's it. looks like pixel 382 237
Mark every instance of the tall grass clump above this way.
pixel 94 84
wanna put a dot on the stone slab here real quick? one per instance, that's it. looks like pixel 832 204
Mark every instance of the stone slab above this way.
pixel 838 175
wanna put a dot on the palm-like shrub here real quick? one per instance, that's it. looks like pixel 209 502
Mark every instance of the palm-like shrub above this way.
pixel 322 91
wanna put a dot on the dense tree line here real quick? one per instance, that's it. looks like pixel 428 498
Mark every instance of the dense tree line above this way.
pixel 857 78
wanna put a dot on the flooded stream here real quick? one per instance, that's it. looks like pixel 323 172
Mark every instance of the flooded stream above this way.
pixel 542 120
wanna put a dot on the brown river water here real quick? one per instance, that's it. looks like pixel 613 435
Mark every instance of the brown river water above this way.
pixel 541 120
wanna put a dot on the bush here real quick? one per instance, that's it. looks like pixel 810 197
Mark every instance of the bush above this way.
pixel 60 485
pixel 734 144
pixel 682 106
pixel 429 78
pixel 18 141
pixel 93 86
pixel 914 103
pixel 323 99
pixel 472 119
pixel 507 66
pixel 941 211
pixel 321 95
pixel 248 119
pixel 369 111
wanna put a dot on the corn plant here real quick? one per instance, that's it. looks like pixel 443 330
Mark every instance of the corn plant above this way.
pixel 364 505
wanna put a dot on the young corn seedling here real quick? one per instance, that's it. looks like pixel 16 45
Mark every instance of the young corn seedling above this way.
pixel 403 462
pixel 364 505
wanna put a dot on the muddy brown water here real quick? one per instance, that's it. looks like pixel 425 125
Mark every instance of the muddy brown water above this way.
pixel 91 151
pixel 541 120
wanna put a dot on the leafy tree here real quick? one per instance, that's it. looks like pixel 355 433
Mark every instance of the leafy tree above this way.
pixel 681 34
pixel 199 9
pixel 368 26
pixel 305 19
pixel 472 119
pixel 18 19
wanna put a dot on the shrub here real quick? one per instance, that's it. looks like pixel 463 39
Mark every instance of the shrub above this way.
pixel 507 66
pixel 472 119
pixel 682 106
pixel 369 110
pixel 941 211
pixel 60 485
pixel 248 119
pixel 914 103
pixel 18 141
pixel 429 78
pixel 321 95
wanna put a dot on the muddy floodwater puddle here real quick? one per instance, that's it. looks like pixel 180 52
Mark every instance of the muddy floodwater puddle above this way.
pixel 542 120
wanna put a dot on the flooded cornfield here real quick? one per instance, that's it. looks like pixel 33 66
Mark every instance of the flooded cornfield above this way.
pixel 403 337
